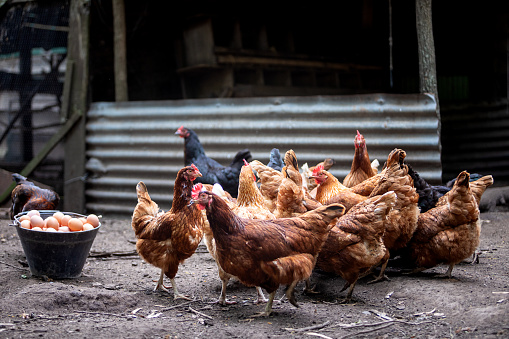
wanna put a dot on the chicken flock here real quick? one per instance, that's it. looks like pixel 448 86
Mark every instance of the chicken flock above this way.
pixel 272 225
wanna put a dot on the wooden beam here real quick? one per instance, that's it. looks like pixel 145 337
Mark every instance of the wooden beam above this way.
pixel 119 50
pixel 426 48
pixel 74 146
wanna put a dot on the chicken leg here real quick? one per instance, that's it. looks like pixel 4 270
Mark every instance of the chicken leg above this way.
pixel 268 308
pixel 160 285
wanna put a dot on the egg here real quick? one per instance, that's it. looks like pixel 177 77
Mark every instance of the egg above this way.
pixel 64 229
pixel 49 229
pixel 93 220
pixel 83 220
pixel 36 229
pixel 58 215
pixel 87 227
pixel 75 224
pixel 24 217
pixel 25 224
pixel 33 212
pixel 65 220
pixel 36 221
pixel 52 222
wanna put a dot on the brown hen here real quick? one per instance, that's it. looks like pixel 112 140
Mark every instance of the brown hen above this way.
pixel 270 179
pixel 449 233
pixel 165 240
pixel 355 243
pixel 362 168
pixel 268 253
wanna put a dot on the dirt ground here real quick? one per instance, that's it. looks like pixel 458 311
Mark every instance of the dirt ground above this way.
pixel 114 299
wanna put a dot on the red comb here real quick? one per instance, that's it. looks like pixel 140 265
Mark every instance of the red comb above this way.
pixel 196 190
pixel 358 134
pixel 195 168
pixel 317 169
pixel 245 162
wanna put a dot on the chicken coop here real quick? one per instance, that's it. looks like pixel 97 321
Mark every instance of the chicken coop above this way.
pixel 126 75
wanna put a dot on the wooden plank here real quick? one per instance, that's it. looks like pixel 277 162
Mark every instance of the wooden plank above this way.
pixel 78 52
pixel 119 50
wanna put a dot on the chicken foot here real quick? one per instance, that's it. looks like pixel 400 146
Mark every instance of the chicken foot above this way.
pixel 261 297
pixel 268 308
pixel 160 285
pixel 290 293
pixel 224 302
pixel 310 289
pixel 222 298
pixel 177 294
pixel 447 274
pixel 381 276
pixel 348 297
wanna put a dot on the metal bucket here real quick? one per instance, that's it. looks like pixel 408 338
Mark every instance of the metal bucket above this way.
pixel 56 255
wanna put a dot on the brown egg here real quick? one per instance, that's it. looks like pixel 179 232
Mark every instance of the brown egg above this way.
pixel 36 229
pixel 87 227
pixel 93 220
pixel 64 229
pixel 33 212
pixel 58 215
pixel 49 229
pixel 36 221
pixel 52 222
pixel 75 224
pixel 25 224
pixel 65 220
pixel 24 217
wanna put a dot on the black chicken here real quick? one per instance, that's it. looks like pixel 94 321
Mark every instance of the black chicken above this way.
pixel 27 196
pixel 275 161
pixel 212 171
pixel 428 194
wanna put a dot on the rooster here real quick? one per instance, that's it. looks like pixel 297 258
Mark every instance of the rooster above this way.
pixel 362 168
pixel 165 240
pixel 449 233
pixel 268 253
pixel 27 196
pixel 212 171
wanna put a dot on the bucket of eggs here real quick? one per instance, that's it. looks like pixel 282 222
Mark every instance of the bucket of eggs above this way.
pixel 56 244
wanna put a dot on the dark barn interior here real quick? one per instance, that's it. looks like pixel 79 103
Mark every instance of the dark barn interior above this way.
pixel 218 49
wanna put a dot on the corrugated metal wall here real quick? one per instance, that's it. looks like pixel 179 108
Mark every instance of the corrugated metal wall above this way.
pixel 135 141
pixel 476 139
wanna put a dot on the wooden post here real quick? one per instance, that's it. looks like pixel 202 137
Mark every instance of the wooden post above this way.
pixel 426 50
pixel 119 50
pixel 77 56
pixel 427 62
